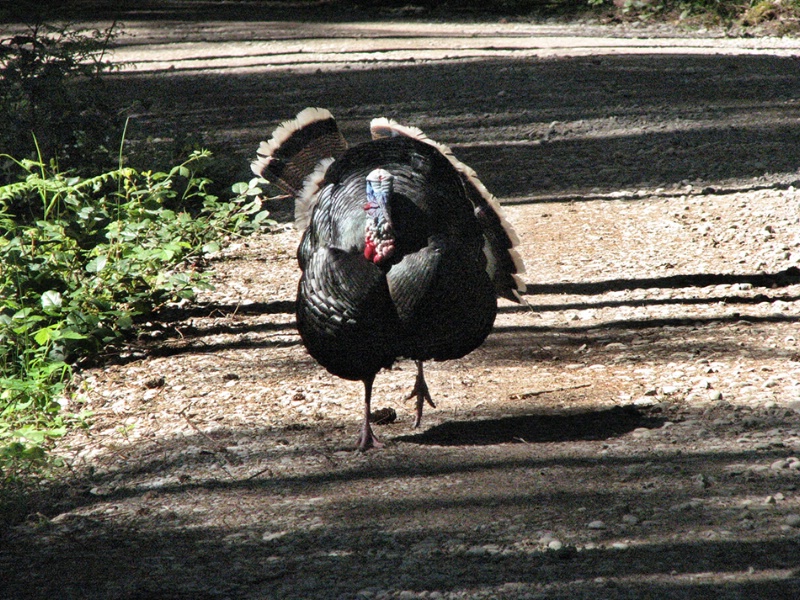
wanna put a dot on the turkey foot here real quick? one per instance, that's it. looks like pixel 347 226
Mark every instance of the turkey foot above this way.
pixel 421 392
pixel 367 439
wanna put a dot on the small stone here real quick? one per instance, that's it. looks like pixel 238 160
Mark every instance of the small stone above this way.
pixel 644 401
pixel 476 551
pixel 690 505
pixel 555 545
pixel 619 546
pixel 779 464
pixel 630 519
pixel 793 520
pixel 702 481
pixel 155 382
pixel 596 525
pixel 546 539
pixel 383 416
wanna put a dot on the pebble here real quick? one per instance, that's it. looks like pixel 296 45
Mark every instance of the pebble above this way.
pixel 630 519
pixel 793 520
pixel 686 505
pixel 482 550
pixel 619 546
pixel 596 525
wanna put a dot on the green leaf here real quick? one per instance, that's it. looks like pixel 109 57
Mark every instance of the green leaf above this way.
pixel 68 334
pixel 124 321
pixel 211 247
pixel 97 264
pixel 240 188
pixel 36 436
pixel 43 336
pixel 51 300
pixel 257 220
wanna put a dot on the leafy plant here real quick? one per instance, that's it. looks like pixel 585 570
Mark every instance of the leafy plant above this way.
pixel 81 258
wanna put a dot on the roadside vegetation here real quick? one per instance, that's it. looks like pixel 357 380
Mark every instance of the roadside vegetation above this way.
pixel 87 246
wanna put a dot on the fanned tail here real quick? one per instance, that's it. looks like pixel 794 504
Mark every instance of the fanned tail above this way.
pixel 297 146
pixel 504 263
pixel 297 155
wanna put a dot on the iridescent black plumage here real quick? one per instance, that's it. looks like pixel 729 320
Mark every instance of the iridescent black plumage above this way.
pixel 434 297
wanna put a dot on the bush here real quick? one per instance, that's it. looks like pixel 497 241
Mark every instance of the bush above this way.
pixel 82 257
pixel 51 86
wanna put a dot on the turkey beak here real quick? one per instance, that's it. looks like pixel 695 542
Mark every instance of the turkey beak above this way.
pixel 379 189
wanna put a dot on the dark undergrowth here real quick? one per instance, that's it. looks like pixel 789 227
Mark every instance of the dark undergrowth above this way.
pixel 774 17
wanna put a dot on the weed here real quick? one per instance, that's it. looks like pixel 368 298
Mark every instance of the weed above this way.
pixel 81 258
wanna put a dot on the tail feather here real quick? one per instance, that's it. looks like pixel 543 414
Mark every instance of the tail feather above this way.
pixel 504 263
pixel 296 147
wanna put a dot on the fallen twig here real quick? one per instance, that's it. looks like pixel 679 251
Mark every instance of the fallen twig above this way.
pixel 523 395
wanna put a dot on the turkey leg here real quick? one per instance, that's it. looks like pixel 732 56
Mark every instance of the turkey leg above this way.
pixel 367 439
pixel 421 392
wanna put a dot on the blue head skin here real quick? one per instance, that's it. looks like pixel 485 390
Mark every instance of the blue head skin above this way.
pixel 379 234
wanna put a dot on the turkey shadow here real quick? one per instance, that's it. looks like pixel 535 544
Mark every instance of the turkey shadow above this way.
pixel 537 429
pixel 786 277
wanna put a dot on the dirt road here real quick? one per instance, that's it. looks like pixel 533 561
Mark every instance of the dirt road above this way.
pixel 633 432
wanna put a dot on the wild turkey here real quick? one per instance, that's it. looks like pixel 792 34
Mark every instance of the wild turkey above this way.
pixel 403 252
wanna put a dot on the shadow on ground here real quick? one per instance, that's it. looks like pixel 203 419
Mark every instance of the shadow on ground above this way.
pixel 528 126
pixel 594 425
pixel 344 524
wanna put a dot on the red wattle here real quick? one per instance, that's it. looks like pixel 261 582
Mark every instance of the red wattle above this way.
pixel 369 250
